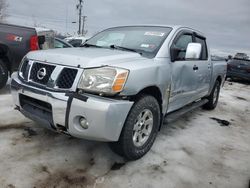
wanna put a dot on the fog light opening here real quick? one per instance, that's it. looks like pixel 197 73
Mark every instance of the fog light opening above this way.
pixel 83 123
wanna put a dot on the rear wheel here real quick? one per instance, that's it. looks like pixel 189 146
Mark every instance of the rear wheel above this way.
pixel 140 129
pixel 213 97
pixel 3 74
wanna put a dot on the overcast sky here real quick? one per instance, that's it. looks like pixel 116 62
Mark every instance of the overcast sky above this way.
pixel 225 22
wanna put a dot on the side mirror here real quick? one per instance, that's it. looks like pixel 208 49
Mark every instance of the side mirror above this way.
pixel 41 40
pixel 193 51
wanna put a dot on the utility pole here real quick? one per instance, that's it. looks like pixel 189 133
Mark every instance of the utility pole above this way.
pixel 79 7
pixel 83 25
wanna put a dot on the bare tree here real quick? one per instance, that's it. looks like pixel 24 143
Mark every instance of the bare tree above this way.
pixel 3 13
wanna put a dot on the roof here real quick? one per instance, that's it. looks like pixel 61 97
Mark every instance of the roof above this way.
pixel 174 27
pixel 13 25
pixel 40 29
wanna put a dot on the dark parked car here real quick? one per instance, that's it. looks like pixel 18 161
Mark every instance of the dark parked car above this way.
pixel 16 42
pixel 59 43
pixel 239 69
pixel 76 41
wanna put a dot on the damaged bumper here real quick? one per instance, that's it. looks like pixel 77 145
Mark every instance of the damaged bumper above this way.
pixel 63 112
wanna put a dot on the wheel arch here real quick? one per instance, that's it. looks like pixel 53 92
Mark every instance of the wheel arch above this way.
pixel 5 56
pixel 155 92
pixel 219 78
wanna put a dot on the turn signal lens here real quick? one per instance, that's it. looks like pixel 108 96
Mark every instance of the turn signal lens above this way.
pixel 120 82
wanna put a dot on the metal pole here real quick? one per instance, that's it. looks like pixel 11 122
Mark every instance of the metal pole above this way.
pixel 79 6
pixel 67 15
pixel 83 24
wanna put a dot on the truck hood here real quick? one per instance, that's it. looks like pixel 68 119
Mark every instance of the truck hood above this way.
pixel 85 57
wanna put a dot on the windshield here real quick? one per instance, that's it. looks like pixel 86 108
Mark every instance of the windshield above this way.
pixel 145 40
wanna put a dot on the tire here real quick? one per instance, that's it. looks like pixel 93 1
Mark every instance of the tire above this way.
pixel 213 97
pixel 3 74
pixel 140 129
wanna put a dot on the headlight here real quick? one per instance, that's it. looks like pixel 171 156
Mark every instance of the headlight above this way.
pixel 107 80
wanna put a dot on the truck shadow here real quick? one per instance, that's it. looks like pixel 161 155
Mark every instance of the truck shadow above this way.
pixel 240 81
pixel 182 123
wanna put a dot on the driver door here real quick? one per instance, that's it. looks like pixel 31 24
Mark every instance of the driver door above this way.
pixel 184 79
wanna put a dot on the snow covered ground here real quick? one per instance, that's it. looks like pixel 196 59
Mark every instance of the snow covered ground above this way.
pixel 195 151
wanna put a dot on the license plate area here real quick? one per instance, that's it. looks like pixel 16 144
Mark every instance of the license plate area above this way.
pixel 36 107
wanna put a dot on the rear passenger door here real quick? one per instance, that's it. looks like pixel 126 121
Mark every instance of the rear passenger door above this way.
pixel 203 72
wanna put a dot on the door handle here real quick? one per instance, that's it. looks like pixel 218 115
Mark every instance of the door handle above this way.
pixel 195 68
pixel 209 66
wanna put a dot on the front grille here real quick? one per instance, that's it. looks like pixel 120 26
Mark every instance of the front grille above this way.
pixel 66 78
pixel 40 73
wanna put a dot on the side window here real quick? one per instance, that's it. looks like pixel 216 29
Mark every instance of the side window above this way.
pixel 181 43
pixel 204 53
pixel 58 44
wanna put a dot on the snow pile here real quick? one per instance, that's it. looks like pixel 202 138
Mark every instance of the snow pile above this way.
pixel 195 151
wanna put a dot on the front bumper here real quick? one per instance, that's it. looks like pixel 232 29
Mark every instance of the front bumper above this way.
pixel 105 116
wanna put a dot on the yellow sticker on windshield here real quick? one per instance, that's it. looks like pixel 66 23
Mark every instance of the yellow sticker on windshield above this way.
pixel 152 33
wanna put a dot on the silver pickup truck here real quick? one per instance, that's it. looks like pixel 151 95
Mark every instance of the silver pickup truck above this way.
pixel 120 86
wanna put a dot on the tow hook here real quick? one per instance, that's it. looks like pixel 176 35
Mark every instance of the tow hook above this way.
pixel 17 108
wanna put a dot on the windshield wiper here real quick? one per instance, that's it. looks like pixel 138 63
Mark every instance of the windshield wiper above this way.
pixel 90 45
pixel 124 48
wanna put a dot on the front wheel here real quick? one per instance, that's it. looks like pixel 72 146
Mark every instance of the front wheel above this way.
pixel 3 74
pixel 140 129
pixel 213 97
